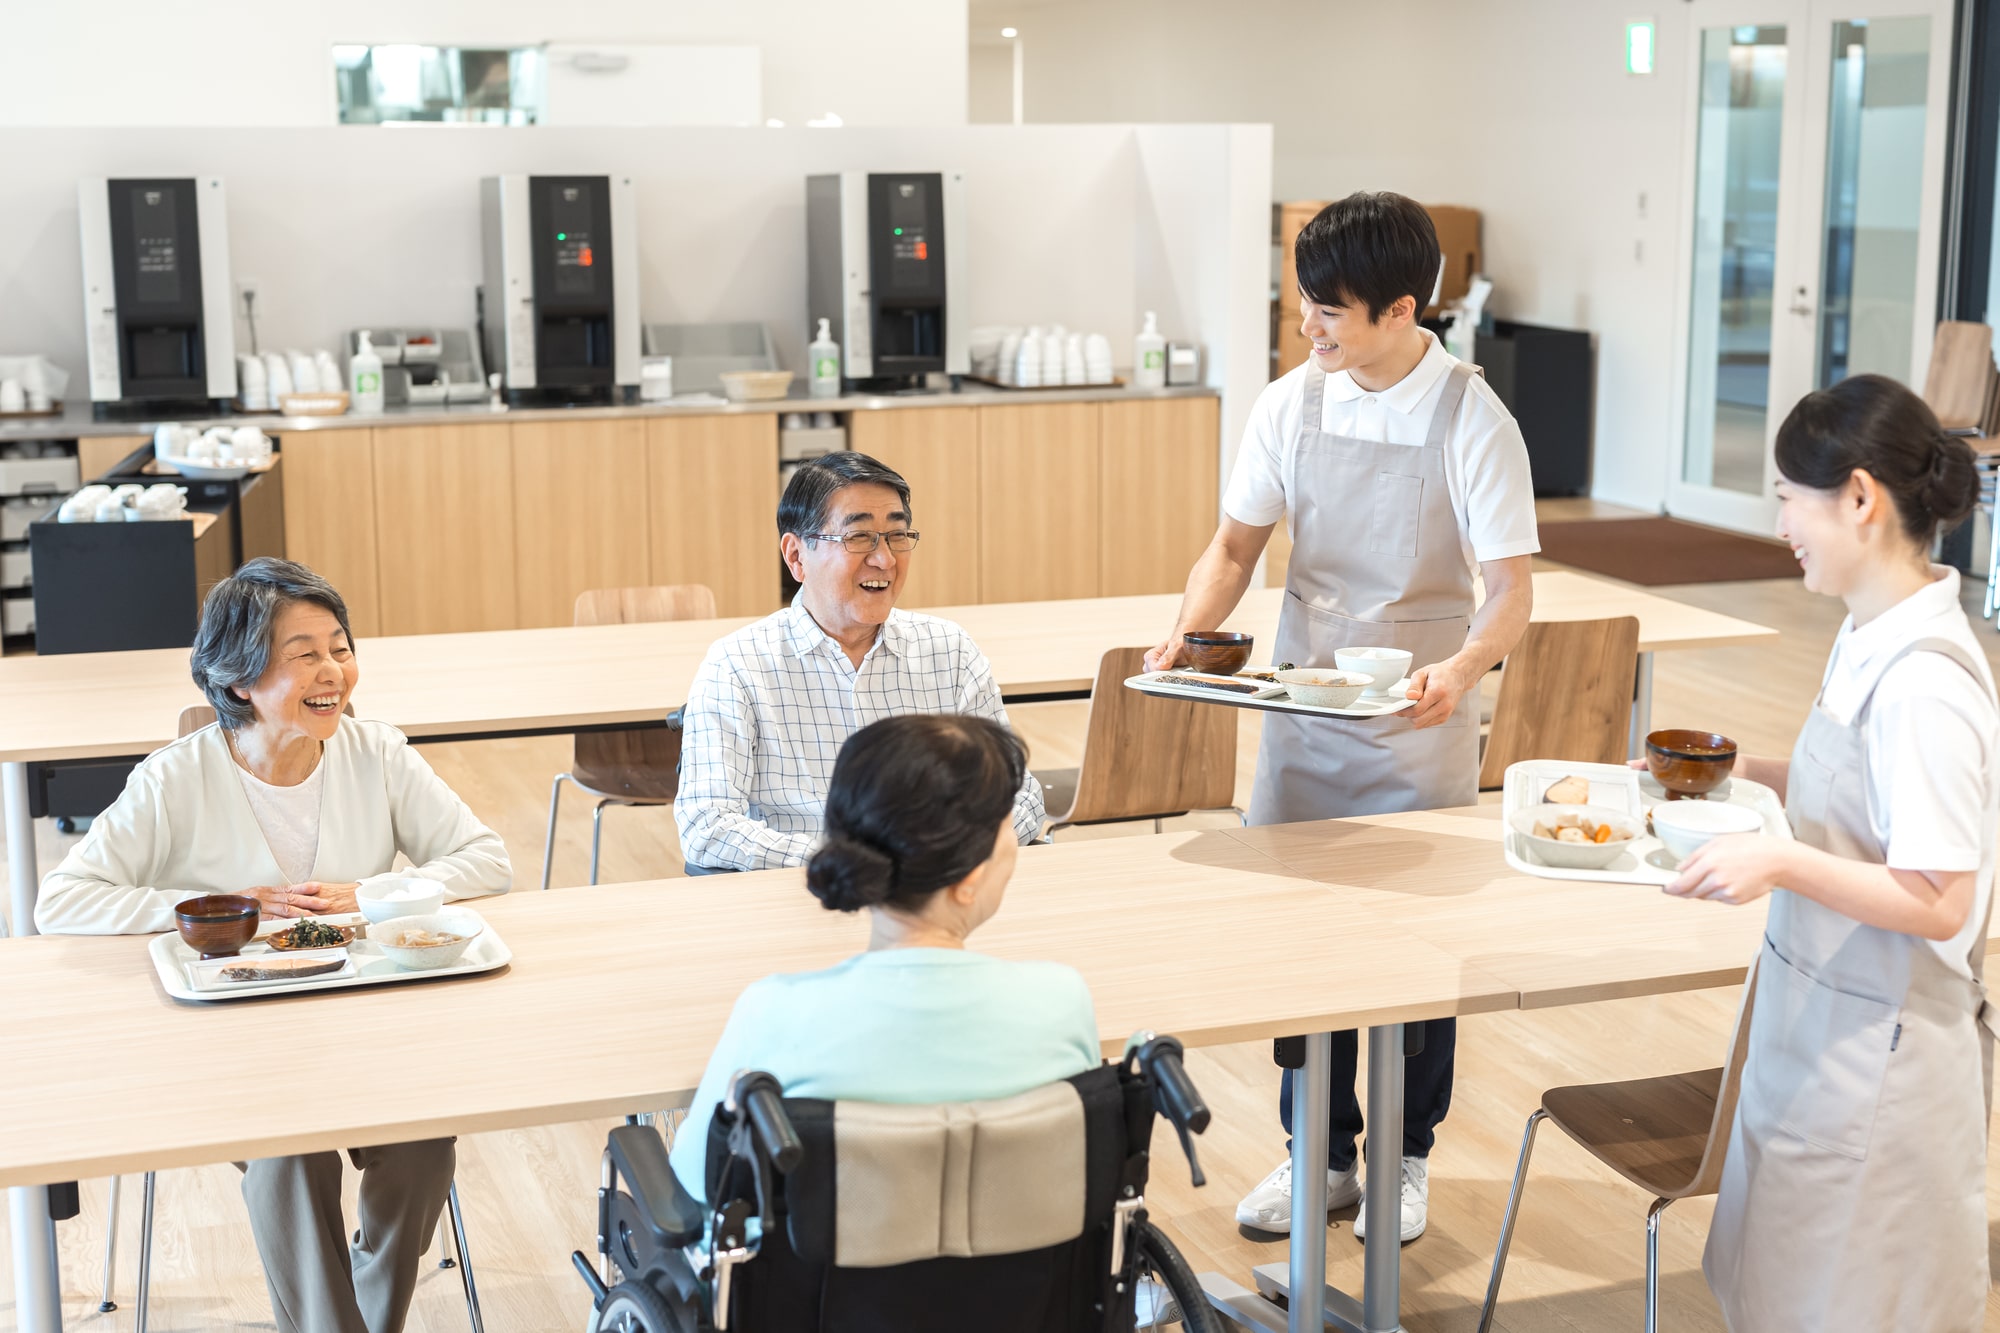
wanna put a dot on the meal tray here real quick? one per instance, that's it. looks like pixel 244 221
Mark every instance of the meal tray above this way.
pixel 366 964
pixel 1629 790
pixel 1267 697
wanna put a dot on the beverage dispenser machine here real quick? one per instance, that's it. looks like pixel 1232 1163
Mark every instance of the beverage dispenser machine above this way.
pixel 885 266
pixel 159 335
pixel 559 310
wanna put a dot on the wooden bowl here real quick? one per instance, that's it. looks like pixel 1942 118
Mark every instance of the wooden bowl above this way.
pixel 276 940
pixel 217 925
pixel 1219 652
pixel 1689 763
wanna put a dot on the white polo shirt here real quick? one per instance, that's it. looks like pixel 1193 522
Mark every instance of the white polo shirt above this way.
pixel 1485 459
pixel 1933 738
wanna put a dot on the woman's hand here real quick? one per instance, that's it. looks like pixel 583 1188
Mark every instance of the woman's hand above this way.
pixel 1737 868
pixel 289 900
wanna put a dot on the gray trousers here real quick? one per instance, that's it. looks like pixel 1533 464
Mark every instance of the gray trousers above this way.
pixel 319 1285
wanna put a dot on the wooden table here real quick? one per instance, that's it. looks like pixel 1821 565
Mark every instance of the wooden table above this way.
pixel 1172 932
pixel 540 681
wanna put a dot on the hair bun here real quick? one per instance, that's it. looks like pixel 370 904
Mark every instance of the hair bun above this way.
pixel 1951 492
pixel 847 875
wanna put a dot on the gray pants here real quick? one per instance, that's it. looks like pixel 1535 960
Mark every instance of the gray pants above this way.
pixel 317 1284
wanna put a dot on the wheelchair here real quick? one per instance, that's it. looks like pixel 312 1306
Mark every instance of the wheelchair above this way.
pixel 1023 1213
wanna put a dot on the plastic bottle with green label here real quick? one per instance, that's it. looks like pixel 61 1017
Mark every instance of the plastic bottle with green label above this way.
pixel 823 355
pixel 364 376
pixel 1149 357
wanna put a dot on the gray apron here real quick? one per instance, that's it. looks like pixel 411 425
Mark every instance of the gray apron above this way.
pixel 1376 563
pixel 1854 1192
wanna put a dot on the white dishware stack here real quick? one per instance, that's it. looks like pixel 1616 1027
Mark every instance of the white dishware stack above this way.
pixel 82 506
pixel 1052 357
pixel 1073 362
pixel 1028 360
pixel 278 373
pixel 13 398
pixel 305 372
pixel 253 384
pixel 1044 356
pixel 1097 359
pixel 1007 371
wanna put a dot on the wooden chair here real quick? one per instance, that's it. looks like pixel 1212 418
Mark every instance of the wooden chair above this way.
pixel 1566 693
pixel 636 767
pixel 1666 1135
pixel 1144 757
pixel 1963 388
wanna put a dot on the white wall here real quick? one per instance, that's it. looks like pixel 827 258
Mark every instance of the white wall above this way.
pixel 1523 111
pixel 343 227
pixel 228 62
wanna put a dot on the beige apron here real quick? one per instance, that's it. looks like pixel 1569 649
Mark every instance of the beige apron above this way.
pixel 1854 1192
pixel 1376 562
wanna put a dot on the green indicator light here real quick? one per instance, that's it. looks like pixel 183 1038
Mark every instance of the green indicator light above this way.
pixel 562 235
pixel 899 231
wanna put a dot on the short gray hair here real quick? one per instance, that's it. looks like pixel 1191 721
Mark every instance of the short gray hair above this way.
pixel 802 509
pixel 238 618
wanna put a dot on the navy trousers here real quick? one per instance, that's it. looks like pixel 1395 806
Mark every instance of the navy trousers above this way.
pixel 1426 1093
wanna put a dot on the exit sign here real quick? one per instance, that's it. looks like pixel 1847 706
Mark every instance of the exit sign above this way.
pixel 1639 47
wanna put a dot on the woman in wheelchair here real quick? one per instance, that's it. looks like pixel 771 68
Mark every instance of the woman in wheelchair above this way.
pixel 919 834
pixel 921 1138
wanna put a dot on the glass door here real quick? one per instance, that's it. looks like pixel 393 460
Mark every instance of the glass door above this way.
pixel 1814 188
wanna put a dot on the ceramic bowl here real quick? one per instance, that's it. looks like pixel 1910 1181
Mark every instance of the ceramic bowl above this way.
pixel 388 899
pixel 217 925
pixel 1684 827
pixel 1689 763
pixel 1316 687
pixel 1383 666
pixel 1575 855
pixel 389 937
pixel 1219 652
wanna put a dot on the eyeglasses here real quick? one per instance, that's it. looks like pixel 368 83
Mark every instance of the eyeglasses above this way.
pixel 864 543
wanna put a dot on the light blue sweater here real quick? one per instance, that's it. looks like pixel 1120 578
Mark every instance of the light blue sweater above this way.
pixel 898 1025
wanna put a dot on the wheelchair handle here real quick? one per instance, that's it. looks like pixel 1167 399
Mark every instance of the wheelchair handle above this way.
pixel 1162 1060
pixel 760 1097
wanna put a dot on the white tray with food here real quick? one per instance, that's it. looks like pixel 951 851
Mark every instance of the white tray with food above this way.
pixel 453 942
pixel 1610 824
pixel 1279 691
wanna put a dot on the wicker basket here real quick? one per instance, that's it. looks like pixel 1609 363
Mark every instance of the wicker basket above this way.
pixel 313 404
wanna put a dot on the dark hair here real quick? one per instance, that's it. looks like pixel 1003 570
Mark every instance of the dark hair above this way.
pixel 1874 424
pixel 804 506
pixel 1369 249
pixel 912 807
pixel 238 619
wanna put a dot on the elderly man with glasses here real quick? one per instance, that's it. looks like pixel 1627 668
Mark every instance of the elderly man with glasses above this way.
pixel 773 702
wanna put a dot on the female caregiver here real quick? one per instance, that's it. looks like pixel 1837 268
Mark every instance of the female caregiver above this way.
pixel 1401 473
pixel 1853 1195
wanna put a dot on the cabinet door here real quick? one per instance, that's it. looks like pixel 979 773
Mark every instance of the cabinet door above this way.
pixel 580 514
pixel 713 487
pixel 937 451
pixel 329 489
pixel 444 514
pixel 1159 492
pixel 1038 492
pixel 98 454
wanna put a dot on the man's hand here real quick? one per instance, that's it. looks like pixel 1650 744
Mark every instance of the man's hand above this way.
pixel 1438 688
pixel 1165 657
pixel 1737 868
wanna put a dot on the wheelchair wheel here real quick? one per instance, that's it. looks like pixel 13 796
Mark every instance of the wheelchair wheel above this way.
pixel 634 1307
pixel 1161 1261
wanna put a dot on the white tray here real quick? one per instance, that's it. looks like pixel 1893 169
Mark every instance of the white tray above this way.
pixel 1268 698
pixel 1616 787
pixel 366 964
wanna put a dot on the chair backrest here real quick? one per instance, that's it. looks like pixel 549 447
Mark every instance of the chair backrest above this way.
pixel 656 749
pixel 1959 386
pixel 196 716
pixel 1566 693
pixel 1145 756
pixel 1708 1176
pixel 967 1217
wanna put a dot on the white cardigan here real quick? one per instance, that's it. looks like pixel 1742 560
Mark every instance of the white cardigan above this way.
pixel 183 827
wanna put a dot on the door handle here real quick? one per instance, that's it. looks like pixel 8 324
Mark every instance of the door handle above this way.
pixel 1800 305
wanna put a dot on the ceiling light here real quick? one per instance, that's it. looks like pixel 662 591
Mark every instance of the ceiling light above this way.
pixel 774 124
pixel 831 120
pixel 1010 32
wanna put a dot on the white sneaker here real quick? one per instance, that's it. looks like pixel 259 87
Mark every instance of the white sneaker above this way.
pixel 1269 1206
pixel 1416 1201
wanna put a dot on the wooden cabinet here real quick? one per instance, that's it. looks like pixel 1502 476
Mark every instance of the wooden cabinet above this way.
pixel 1159 492
pixel 98 454
pixel 444 523
pixel 937 451
pixel 330 516
pixel 1039 497
pixel 712 483
pixel 580 514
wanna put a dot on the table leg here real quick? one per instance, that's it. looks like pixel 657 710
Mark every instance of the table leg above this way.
pixel 23 875
pixel 1382 1261
pixel 1642 708
pixel 1311 1101
pixel 37 1284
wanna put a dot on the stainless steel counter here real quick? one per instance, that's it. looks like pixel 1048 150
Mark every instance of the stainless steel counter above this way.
pixel 76 421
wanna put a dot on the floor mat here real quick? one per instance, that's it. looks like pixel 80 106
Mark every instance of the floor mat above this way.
pixel 1656 551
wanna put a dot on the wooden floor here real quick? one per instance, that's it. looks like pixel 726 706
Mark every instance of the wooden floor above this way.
pixel 1578 1260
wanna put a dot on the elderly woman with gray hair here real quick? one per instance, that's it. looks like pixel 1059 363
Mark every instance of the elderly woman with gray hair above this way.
pixel 287 800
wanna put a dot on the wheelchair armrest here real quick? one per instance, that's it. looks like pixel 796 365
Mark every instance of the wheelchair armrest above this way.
pixel 640 1158
pixel 677 719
